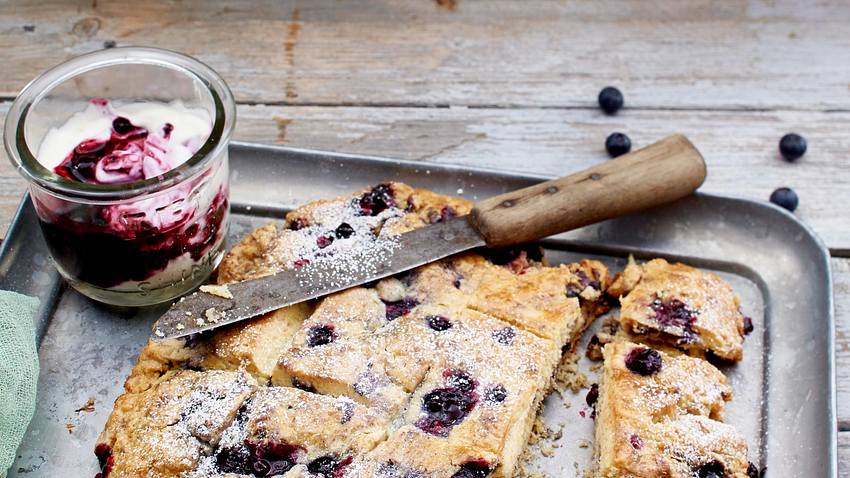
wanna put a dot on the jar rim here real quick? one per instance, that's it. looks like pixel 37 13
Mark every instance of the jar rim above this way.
pixel 28 165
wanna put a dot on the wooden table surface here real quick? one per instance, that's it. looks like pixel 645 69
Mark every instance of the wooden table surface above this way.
pixel 508 84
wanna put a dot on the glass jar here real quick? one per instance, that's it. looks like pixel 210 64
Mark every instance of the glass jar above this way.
pixel 133 243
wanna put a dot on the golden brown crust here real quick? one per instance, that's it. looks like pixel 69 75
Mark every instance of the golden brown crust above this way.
pixel 682 306
pixel 665 423
pixel 367 357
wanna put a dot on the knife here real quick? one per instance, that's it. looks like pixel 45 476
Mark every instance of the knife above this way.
pixel 657 174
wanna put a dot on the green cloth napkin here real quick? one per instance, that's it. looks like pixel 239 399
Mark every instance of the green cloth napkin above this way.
pixel 18 372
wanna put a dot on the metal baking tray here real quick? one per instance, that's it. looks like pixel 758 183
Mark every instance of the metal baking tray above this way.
pixel 784 389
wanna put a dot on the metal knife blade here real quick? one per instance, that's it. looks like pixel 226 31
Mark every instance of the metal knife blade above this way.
pixel 202 311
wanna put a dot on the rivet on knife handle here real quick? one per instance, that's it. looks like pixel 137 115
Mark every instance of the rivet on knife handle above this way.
pixel 657 174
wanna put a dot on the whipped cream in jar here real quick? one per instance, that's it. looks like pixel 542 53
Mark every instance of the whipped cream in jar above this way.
pixel 125 151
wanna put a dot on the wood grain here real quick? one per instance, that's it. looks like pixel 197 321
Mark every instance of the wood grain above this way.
pixel 844 455
pixel 739 147
pixel 657 174
pixel 737 54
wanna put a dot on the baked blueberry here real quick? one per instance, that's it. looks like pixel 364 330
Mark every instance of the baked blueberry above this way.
pixel 505 336
pixel 344 231
pixel 675 313
pixel 785 198
pixel 748 325
pixel 636 442
pixel 328 466
pixel 473 469
pixel 752 471
pixel 643 361
pixel 617 144
pixel 297 224
pixel 792 146
pixel 438 322
pixel 610 100
pixel 444 408
pixel 399 308
pixel 592 395
pixel 712 469
pixel 104 459
pixel 379 199
pixel 496 394
pixel 320 335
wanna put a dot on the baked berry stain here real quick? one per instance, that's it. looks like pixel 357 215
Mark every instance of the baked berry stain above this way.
pixel 438 323
pixel 324 241
pixel 259 459
pixel 473 469
pixel 643 361
pixel 674 314
pixel 379 199
pixel 712 469
pixel 445 407
pixel 329 466
pixel 592 395
pixel 505 336
pixel 399 308
pixel 103 452
pixel 495 394
pixel 297 224
pixel 320 335
pixel 636 442
pixel 446 213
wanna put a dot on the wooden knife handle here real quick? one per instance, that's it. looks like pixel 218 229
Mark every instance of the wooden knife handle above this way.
pixel 657 174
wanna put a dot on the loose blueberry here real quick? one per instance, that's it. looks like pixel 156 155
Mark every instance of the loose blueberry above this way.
pixel 712 469
pixel 496 394
pixel 473 469
pixel 505 336
pixel 380 198
pixel 29 28
pixel 320 335
pixel 617 144
pixel 592 395
pixel 792 146
pixel 643 361
pixel 610 100
pixel 438 322
pixel 785 198
pixel 109 44
pixel 399 308
pixel 344 231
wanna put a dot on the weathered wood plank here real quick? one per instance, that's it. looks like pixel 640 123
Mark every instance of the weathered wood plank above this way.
pixel 740 147
pixel 844 455
pixel 740 54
